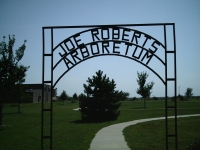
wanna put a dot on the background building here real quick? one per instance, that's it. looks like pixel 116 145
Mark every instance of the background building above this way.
pixel 34 92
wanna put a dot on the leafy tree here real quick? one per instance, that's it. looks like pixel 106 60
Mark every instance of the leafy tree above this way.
pixel 101 101
pixel 12 73
pixel 75 96
pixel 188 93
pixel 63 96
pixel 144 90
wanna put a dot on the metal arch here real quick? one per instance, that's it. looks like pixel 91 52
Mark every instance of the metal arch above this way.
pixel 110 55
pixel 96 55
pixel 61 59
pixel 121 26
pixel 108 41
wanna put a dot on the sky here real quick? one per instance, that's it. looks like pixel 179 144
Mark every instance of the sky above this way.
pixel 25 20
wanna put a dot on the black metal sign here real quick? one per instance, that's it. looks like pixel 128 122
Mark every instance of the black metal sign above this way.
pixel 116 40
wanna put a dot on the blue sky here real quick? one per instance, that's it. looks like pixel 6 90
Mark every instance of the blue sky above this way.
pixel 25 20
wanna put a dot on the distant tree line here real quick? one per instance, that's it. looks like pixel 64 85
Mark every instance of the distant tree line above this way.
pixel 65 97
pixel 101 101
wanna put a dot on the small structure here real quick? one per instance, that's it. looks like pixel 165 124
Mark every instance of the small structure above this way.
pixel 35 93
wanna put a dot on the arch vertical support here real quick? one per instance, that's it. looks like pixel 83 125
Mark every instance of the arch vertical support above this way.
pixel 47 91
pixel 171 84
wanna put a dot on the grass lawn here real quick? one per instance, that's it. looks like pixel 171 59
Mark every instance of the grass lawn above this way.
pixel 151 134
pixel 22 130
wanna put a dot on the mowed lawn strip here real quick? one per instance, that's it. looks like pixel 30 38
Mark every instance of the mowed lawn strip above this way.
pixel 69 132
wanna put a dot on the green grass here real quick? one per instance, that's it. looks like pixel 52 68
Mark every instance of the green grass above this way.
pixel 24 129
pixel 152 134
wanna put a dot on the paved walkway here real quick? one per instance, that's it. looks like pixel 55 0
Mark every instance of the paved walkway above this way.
pixel 111 137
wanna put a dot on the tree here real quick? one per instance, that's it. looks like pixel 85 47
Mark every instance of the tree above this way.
pixel 101 101
pixel 12 73
pixel 63 96
pixel 144 90
pixel 75 96
pixel 188 93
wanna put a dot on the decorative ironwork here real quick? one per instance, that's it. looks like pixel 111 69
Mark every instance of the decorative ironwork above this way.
pixel 115 40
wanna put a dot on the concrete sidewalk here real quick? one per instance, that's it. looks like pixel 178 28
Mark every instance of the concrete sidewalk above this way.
pixel 111 137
